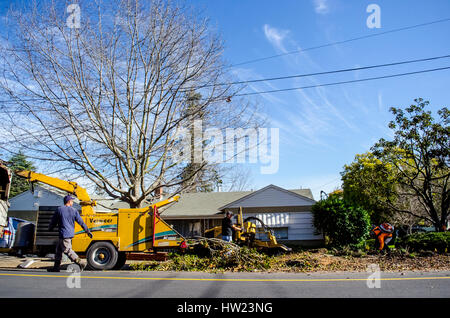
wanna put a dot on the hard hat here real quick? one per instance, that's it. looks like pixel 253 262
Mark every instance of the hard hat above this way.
pixel 386 227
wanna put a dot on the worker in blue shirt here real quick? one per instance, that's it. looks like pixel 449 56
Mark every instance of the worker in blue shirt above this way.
pixel 65 218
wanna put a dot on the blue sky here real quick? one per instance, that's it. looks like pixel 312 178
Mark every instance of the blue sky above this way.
pixel 322 129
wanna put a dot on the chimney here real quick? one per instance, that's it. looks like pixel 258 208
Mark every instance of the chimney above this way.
pixel 159 193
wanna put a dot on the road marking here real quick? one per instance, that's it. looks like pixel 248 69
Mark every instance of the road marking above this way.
pixel 232 279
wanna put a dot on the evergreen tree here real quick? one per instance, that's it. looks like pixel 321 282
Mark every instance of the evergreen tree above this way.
pixel 16 163
pixel 198 176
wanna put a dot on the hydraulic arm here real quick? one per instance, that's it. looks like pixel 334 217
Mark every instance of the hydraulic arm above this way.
pixel 86 202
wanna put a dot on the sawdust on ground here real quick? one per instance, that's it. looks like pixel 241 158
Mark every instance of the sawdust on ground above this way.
pixel 321 261
pixel 301 262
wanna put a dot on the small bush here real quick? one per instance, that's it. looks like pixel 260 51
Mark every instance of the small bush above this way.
pixel 345 224
pixel 432 241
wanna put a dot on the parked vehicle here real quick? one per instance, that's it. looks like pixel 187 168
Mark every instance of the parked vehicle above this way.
pixel 18 234
pixel 5 183
pixel 422 229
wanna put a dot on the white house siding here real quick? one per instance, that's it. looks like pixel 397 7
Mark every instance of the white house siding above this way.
pixel 299 224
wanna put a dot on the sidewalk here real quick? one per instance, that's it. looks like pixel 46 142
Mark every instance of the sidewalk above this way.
pixel 8 261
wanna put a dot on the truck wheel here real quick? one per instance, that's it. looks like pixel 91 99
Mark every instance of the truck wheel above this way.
pixel 121 260
pixel 102 255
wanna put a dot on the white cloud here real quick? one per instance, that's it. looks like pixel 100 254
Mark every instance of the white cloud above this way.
pixel 380 102
pixel 321 6
pixel 313 116
pixel 276 37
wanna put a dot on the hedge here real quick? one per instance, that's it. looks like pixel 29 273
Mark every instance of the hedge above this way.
pixel 431 241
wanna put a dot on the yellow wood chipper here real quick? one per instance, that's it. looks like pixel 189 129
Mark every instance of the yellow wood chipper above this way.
pixel 139 230
pixel 246 236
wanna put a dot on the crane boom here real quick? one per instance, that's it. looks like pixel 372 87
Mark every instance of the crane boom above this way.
pixel 68 186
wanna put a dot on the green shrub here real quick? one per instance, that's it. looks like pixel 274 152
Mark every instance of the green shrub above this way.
pixel 432 241
pixel 364 245
pixel 345 224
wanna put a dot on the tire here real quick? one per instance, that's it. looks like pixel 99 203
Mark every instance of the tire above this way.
pixel 102 256
pixel 121 260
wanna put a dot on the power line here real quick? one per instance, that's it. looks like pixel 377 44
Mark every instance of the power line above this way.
pixel 340 42
pixel 292 76
pixel 290 89
pixel 344 82
pixel 330 182
pixel 328 72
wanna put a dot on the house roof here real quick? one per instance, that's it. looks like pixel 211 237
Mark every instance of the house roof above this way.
pixel 204 204
pixel 271 196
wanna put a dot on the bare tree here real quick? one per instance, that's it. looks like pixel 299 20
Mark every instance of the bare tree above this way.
pixel 104 99
pixel 407 210
pixel 237 178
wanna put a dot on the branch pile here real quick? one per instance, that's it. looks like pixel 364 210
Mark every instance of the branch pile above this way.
pixel 209 254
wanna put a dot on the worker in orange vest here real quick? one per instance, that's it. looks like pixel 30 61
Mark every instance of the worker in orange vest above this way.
pixel 383 235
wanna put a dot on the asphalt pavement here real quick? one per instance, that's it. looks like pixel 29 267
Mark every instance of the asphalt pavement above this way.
pixel 37 283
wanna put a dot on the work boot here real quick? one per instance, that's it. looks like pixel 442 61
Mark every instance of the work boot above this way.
pixel 56 267
pixel 80 263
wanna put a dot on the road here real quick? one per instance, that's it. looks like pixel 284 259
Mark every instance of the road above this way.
pixel 38 283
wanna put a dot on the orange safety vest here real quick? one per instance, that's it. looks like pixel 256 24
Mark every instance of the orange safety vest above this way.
pixel 381 236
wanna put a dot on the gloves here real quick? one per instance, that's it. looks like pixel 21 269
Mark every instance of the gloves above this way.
pixel 89 234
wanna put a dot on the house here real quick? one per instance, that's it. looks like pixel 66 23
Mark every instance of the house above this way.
pixel 286 212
